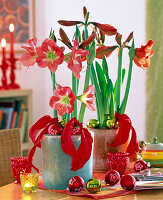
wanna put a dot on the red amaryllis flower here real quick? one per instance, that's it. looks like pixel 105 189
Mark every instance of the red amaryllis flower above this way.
pixel 142 55
pixel 105 28
pixel 49 55
pixel 29 59
pixel 88 97
pixel 104 51
pixel 63 100
pixel 75 62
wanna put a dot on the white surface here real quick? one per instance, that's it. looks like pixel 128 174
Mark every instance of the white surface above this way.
pixel 125 15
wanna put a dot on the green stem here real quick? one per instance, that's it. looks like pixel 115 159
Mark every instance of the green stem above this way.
pixel 87 76
pixel 74 89
pixel 124 102
pixel 83 107
pixel 118 92
pixel 55 113
pixel 67 118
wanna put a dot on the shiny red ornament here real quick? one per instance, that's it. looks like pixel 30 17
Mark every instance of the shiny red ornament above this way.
pixel 76 184
pixel 128 182
pixel 112 177
pixel 140 165
pixel 75 131
pixel 55 129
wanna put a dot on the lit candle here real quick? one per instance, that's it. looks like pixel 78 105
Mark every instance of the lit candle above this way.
pixel 29 187
pixel 3 44
pixel 29 182
pixel 11 29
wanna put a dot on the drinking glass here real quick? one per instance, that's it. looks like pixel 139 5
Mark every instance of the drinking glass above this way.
pixel 118 161
pixel 20 165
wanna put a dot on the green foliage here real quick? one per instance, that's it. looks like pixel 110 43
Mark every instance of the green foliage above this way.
pixel 92 53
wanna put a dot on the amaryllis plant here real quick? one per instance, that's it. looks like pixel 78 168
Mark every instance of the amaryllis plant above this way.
pixel 86 46
pixel 80 52
pixel 109 100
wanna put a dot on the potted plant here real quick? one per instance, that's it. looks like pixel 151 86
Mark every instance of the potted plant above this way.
pixel 84 47
pixel 66 145
pixel 112 126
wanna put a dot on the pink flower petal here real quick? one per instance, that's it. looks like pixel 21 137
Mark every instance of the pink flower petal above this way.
pixel 27 59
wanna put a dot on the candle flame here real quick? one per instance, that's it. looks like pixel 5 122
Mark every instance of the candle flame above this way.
pixel 11 27
pixel 28 185
pixel 3 42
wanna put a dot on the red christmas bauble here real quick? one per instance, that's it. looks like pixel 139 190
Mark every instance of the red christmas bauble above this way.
pixel 128 182
pixel 75 131
pixel 55 129
pixel 140 165
pixel 112 177
pixel 76 184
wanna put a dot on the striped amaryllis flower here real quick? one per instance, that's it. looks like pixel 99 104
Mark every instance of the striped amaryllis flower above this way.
pixel 75 61
pixel 88 97
pixel 49 55
pixel 142 55
pixel 63 100
pixel 29 58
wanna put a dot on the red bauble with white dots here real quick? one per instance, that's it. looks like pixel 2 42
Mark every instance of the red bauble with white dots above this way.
pixel 55 129
pixel 140 165
pixel 76 184
pixel 112 177
pixel 128 182
pixel 75 131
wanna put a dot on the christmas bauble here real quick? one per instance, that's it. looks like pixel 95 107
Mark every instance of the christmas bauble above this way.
pixel 62 122
pixel 112 177
pixel 93 123
pixel 110 123
pixel 55 129
pixel 128 182
pixel 76 184
pixel 93 185
pixel 75 131
pixel 140 165
pixel 116 124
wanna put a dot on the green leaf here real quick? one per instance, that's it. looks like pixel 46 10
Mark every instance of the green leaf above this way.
pixel 99 98
pixel 78 34
pixel 101 78
pixel 92 53
pixel 123 74
pixel 119 82
pixel 111 105
pixel 125 99
pixel 115 86
pixel 109 109
pixel 105 65
pixel 132 50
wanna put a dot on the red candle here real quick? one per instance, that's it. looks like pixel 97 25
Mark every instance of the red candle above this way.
pixel 11 29
pixel 3 44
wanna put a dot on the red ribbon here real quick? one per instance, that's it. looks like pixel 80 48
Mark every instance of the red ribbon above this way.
pixel 82 155
pixel 42 123
pixel 79 157
pixel 125 126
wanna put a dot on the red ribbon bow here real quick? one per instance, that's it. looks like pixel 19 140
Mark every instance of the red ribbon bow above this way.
pixel 125 126
pixel 79 157
pixel 42 123
pixel 82 155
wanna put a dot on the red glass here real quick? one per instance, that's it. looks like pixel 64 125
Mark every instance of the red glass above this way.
pixel 20 165
pixel 118 161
